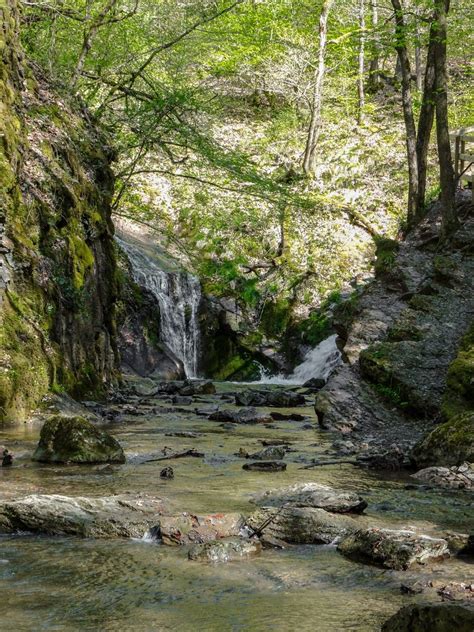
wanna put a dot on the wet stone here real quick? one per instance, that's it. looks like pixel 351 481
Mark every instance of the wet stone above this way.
pixel 187 528
pixel 227 550
pixel 167 473
pixel 311 495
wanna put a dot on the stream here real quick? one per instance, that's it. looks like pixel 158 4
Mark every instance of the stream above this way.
pixel 63 584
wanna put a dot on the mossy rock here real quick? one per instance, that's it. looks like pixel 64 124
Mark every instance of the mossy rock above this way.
pixel 459 395
pixel 76 440
pixel 375 364
pixel 386 254
pixel 405 328
pixel 438 617
pixel 451 443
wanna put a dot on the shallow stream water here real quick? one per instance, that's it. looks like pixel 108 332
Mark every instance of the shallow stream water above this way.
pixel 62 584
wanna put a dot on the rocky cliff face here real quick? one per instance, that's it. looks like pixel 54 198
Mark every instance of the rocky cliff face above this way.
pixel 409 345
pixel 57 256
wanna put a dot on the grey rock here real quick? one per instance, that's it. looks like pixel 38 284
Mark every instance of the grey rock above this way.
pixel 104 517
pixel 456 477
pixel 300 525
pixel 269 454
pixel 227 550
pixel 243 416
pixel 273 399
pixel 397 549
pixel 311 495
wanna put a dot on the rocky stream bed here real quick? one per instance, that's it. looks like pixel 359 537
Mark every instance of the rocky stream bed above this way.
pixel 133 545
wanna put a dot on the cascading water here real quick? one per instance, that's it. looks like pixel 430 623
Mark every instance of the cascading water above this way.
pixel 179 295
pixel 319 362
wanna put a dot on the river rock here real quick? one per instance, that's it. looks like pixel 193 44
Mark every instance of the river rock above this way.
pixel 300 525
pixel 228 550
pixel 265 466
pixel 451 443
pixel 104 517
pixel 181 400
pixel 193 387
pixel 76 440
pixel 397 549
pixel 270 453
pixel 315 383
pixel 273 399
pixel 242 416
pixel 287 416
pixel 187 528
pixel 461 477
pixel 431 618
pixel 311 495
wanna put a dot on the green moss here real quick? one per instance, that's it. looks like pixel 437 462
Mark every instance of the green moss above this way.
pixel 451 443
pixel 421 303
pixel 235 364
pixel 459 395
pixel 405 327
pixel 386 253
pixel 275 317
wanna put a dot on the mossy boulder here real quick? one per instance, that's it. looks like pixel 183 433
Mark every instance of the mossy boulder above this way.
pixel 439 617
pixel 386 254
pixel 451 443
pixel 76 440
pixel 459 395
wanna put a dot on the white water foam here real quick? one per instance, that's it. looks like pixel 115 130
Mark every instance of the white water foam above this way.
pixel 319 362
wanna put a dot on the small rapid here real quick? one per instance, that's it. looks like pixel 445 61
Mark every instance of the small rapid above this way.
pixel 318 363
pixel 179 297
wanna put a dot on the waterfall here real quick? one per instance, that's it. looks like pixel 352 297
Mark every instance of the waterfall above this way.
pixel 179 296
pixel 319 362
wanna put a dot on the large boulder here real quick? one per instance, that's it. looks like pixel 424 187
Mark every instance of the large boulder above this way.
pixel 104 517
pixel 439 617
pixel 455 477
pixel 187 528
pixel 299 525
pixel 228 550
pixel 311 495
pixel 196 387
pixel 397 549
pixel 76 440
pixel 450 443
pixel 273 399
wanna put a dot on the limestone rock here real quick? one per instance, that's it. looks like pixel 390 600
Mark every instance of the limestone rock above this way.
pixel 311 495
pixel 187 528
pixel 227 550
pixel 432 617
pixel 269 453
pixel 395 549
pixel 461 477
pixel 76 440
pixel 104 517
pixel 244 416
pixel 300 525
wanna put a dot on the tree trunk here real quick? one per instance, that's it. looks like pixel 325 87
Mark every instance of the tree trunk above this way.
pixel 374 71
pixel 315 122
pixel 404 65
pixel 446 170
pixel 360 82
pixel 425 121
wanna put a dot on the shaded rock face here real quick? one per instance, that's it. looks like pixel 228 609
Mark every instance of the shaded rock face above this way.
pixel 299 525
pixel 392 549
pixel 187 528
pixel 274 399
pixel 432 617
pixel 450 443
pixel 311 495
pixel 265 466
pixel 456 477
pixel 57 258
pixel 228 550
pixel 103 517
pixel 406 329
pixel 76 440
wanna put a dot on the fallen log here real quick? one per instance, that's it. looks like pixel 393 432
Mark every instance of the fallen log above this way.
pixel 176 455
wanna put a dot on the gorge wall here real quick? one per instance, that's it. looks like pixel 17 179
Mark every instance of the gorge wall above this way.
pixel 58 283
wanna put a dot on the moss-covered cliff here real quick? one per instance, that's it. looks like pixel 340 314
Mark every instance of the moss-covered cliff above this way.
pixel 57 256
